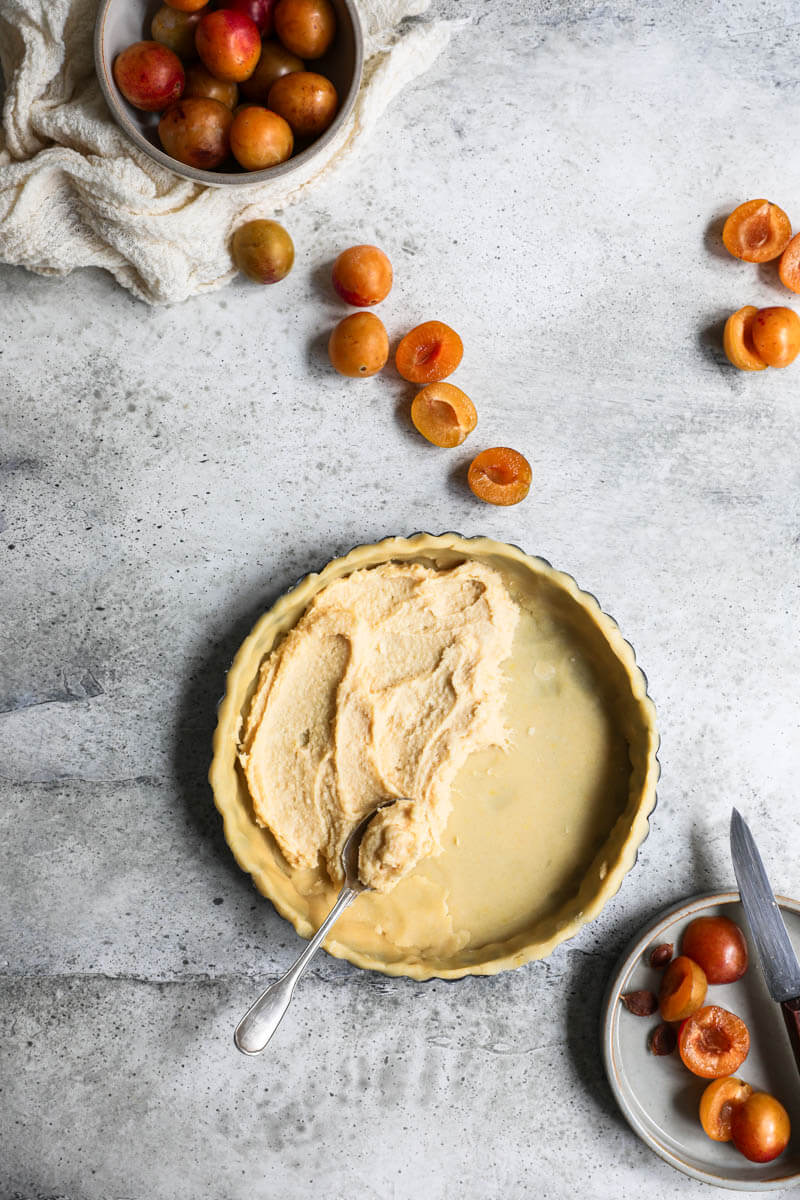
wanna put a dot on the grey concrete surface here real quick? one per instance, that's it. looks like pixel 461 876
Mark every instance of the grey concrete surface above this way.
pixel 552 188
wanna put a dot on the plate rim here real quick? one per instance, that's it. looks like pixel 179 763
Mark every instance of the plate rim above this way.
pixel 628 958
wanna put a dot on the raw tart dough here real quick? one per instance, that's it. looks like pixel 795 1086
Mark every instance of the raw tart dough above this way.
pixel 539 836
pixel 388 682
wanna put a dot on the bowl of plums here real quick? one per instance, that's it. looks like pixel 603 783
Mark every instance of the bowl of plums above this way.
pixel 230 92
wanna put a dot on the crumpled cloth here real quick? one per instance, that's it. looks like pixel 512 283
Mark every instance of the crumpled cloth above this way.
pixel 75 192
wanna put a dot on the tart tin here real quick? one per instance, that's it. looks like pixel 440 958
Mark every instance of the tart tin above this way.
pixel 255 849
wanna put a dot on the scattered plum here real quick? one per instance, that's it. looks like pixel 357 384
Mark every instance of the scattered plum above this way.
pixel 429 353
pixel 789 266
pixel 306 27
pixel 717 1104
pixel 201 83
pixel 776 335
pixel 175 29
pixel 149 75
pixel 717 944
pixel 500 475
pixel 263 251
pixel 362 276
pixel 757 231
pixel 197 132
pixel 306 100
pixel 737 340
pixel 443 414
pixel 229 44
pixel 760 1127
pixel 275 61
pixel 260 138
pixel 359 345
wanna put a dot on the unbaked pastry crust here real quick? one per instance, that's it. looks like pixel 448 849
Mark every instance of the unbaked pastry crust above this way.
pixel 424 933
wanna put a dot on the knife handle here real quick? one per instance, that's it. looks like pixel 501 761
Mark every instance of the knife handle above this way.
pixel 791 1015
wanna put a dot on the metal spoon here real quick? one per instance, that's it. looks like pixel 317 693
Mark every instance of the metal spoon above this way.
pixel 260 1022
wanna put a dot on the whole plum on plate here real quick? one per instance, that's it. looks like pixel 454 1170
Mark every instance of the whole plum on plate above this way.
pixel 717 944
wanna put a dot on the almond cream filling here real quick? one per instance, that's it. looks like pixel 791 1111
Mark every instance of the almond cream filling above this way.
pixel 390 680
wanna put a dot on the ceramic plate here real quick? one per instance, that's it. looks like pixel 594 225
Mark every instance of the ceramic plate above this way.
pixel 659 1097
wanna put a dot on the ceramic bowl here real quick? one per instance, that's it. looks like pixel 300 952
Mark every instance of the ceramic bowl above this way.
pixel 554 883
pixel 121 22
pixel 659 1097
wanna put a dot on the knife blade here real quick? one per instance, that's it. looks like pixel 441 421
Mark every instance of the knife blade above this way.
pixel 779 963
pixel 778 959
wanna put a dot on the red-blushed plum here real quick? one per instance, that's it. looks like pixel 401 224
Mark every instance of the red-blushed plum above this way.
pixel 149 75
pixel 362 276
pixel 259 11
pixel 228 44
pixel 760 1127
pixel 718 945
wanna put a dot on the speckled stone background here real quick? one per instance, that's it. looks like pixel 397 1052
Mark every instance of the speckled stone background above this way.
pixel 553 189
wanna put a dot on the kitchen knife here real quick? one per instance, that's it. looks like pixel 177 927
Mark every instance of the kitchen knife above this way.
pixel 778 960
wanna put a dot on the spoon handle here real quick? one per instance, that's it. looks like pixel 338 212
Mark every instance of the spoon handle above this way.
pixel 263 1018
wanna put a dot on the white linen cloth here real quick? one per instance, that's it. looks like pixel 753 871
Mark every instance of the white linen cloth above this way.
pixel 75 192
